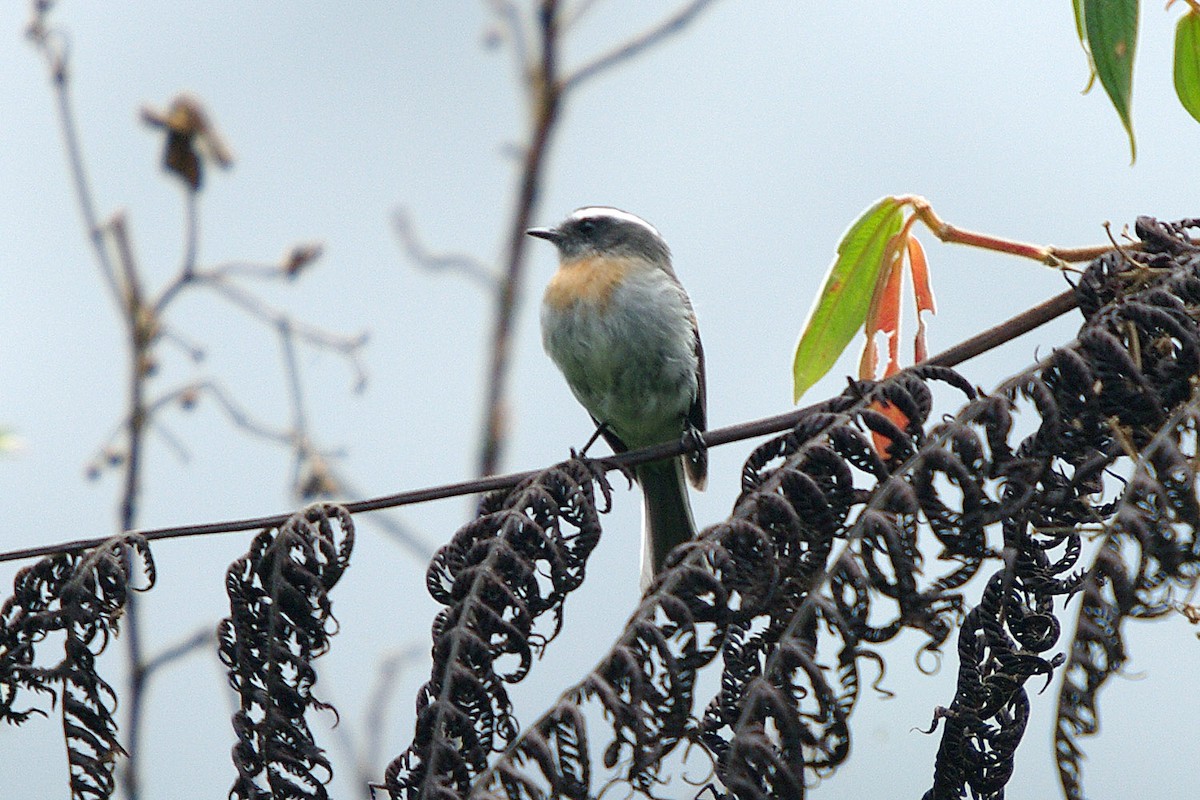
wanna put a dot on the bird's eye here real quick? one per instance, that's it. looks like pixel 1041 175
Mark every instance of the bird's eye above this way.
pixel 587 226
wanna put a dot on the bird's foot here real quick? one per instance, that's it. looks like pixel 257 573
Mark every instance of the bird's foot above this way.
pixel 599 468
pixel 696 459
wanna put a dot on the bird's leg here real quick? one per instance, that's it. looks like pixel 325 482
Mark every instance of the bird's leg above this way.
pixel 601 427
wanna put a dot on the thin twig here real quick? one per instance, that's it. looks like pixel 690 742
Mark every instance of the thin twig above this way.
pixel 191 234
pixel 712 438
pixel 187 269
pixel 638 44
pixel 51 44
pixel 261 270
pixel 462 263
pixel 378 705
pixel 187 396
pixel 172 441
pixel 350 347
pixel 364 751
pixel 576 13
pixel 507 11
pixel 204 636
pixel 295 398
pixel 389 525
pixel 192 350
pixel 1006 331
pixel 240 417
pixel 141 329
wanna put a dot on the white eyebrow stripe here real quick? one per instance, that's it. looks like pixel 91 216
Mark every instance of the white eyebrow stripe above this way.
pixel 612 213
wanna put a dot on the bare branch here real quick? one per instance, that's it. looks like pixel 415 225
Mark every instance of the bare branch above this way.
pixel 52 45
pixel 202 638
pixel 187 267
pixel 187 396
pixel 467 265
pixel 510 20
pixel 193 351
pixel 638 44
pixel 172 441
pixel 712 438
pixel 244 269
pixel 545 91
pixel 365 750
pixel 572 15
pixel 349 347
pixel 292 370
pixel 190 138
pixel 239 416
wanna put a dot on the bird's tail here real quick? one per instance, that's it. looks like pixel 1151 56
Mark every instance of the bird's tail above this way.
pixel 666 513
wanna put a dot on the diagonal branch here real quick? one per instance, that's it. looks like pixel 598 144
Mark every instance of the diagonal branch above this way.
pixel 467 265
pixel 638 44
pixel 713 438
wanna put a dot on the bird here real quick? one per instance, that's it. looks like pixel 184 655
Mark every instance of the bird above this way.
pixel 620 327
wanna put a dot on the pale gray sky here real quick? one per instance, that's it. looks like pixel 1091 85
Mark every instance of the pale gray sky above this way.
pixel 751 141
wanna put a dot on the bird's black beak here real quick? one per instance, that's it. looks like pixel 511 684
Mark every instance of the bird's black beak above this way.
pixel 549 234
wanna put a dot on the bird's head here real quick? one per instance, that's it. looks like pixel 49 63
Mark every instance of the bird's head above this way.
pixel 604 231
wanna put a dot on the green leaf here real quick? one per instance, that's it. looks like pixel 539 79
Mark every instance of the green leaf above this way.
pixel 841 307
pixel 1111 27
pixel 1187 62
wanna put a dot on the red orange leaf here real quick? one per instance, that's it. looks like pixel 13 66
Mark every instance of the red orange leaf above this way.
pixel 923 293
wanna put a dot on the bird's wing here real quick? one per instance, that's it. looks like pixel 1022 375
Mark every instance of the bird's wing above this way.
pixel 697 418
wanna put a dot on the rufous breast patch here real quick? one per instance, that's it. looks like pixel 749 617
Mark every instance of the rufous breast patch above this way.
pixel 590 279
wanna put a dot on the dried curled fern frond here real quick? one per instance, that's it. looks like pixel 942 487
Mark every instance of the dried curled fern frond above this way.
pixel 1101 400
pixel 1158 517
pixel 82 596
pixel 514 563
pixel 780 713
pixel 280 620
pixel 821 560
pixel 740 591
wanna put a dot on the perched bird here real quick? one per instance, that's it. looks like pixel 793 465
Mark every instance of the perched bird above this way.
pixel 620 326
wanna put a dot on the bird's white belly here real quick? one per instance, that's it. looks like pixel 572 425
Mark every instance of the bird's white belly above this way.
pixel 632 363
